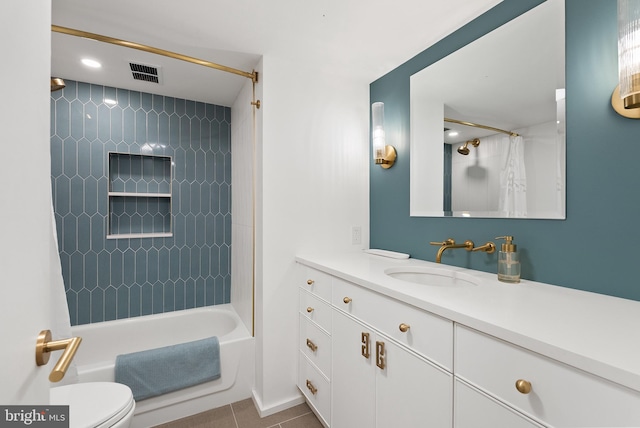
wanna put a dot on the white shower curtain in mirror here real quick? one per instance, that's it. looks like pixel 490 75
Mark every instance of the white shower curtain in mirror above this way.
pixel 513 179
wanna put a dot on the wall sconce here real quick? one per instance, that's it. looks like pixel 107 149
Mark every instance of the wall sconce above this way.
pixel 626 97
pixel 383 155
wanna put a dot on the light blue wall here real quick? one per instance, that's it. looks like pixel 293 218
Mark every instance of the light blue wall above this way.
pixel 107 279
pixel 595 248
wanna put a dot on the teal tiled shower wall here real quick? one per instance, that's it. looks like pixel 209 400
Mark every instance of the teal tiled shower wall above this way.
pixel 107 279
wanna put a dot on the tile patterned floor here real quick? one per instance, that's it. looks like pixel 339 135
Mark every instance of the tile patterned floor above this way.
pixel 243 414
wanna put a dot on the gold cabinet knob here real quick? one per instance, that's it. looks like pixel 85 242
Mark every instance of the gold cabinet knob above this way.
pixel 404 327
pixel 347 300
pixel 310 281
pixel 523 386
pixel 309 309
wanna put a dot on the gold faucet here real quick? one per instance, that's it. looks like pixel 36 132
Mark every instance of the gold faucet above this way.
pixel 450 243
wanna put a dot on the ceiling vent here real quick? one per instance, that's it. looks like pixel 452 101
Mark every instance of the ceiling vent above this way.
pixel 146 73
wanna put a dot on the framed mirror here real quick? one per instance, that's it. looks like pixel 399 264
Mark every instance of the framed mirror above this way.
pixel 488 124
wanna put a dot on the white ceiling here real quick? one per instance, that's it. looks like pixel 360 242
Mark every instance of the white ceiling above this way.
pixel 364 39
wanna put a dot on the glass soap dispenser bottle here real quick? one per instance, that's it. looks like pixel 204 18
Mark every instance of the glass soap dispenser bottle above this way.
pixel 508 261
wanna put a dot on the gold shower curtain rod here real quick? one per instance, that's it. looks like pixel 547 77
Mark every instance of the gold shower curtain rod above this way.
pixel 70 31
pixel 476 125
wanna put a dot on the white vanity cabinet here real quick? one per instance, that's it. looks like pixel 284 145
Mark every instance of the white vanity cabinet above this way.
pixel 553 393
pixel 428 335
pixel 314 342
pixel 377 383
pixel 353 393
pixel 370 356
pixel 386 363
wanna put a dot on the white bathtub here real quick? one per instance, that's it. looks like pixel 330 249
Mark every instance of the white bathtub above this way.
pixel 101 342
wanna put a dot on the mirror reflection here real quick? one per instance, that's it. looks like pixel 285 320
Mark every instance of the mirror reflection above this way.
pixel 487 124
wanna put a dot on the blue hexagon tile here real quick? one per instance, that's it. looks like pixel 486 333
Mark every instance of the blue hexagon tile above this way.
pixel 143 143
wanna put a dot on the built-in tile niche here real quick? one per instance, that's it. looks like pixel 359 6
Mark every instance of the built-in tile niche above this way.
pixel 139 196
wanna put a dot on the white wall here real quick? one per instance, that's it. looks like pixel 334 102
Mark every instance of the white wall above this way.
pixel 242 166
pixel 475 178
pixel 545 165
pixel 312 187
pixel 26 229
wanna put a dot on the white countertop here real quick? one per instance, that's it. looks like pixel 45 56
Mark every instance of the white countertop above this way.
pixel 597 333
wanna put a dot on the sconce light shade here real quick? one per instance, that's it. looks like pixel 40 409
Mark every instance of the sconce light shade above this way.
pixel 383 154
pixel 377 129
pixel 626 98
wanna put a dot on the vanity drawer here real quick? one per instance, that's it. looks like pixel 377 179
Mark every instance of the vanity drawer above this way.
pixel 426 333
pixel 474 409
pixel 316 282
pixel 316 345
pixel 560 395
pixel 315 309
pixel 315 387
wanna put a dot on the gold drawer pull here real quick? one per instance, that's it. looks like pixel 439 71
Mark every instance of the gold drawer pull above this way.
pixel 310 281
pixel 523 386
pixel 311 388
pixel 365 345
pixel 312 345
pixel 347 300
pixel 404 327
pixel 380 356
pixel 309 309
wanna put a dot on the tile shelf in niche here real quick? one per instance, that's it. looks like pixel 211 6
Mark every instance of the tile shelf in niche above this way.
pixel 140 235
pixel 139 196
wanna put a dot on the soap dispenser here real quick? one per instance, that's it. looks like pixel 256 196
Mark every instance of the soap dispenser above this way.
pixel 508 261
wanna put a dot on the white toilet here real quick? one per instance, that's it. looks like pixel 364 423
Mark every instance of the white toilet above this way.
pixel 96 404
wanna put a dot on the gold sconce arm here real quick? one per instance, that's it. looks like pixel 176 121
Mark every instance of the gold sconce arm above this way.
pixel 44 347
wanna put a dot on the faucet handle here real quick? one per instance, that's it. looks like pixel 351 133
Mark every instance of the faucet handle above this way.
pixel 488 248
pixel 448 241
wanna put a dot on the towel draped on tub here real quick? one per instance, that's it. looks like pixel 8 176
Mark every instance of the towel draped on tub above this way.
pixel 158 371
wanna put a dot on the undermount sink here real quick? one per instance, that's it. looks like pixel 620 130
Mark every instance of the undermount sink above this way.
pixel 432 276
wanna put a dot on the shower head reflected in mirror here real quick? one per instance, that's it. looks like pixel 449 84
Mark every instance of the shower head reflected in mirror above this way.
pixel 57 84
pixel 464 150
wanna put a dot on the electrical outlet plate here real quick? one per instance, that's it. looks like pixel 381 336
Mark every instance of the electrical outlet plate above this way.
pixel 356 235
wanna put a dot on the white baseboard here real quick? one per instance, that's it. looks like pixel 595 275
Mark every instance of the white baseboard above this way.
pixel 278 407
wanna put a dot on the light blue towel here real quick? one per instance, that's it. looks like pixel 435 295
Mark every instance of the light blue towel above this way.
pixel 158 371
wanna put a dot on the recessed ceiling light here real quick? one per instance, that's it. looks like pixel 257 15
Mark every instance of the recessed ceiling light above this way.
pixel 453 134
pixel 91 63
